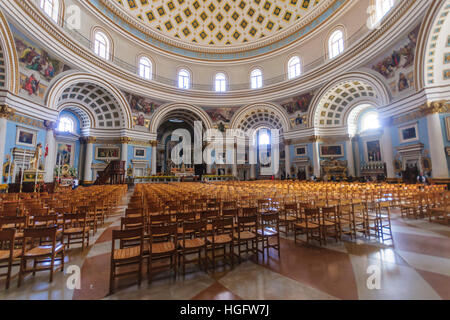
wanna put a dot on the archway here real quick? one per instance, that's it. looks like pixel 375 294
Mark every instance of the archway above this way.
pixel 165 121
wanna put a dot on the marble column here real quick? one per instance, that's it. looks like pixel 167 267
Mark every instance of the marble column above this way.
pixel 5 113
pixel 89 145
pixel 50 160
pixel 316 158
pixel 235 157
pixel 287 157
pixel 357 158
pixel 153 164
pixel 350 158
pixel 124 149
pixel 388 151
pixel 253 159
pixel 437 148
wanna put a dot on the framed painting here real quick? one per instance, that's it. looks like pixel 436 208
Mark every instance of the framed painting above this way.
pixel 332 151
pixel 300 151
pixel 65 154
pixel 409 133
pixel 26 137
pixel 107 153
pixel 140 153
pixel 373 151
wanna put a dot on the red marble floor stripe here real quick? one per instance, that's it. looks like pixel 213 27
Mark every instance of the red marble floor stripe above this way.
pixel 439 282
pixel 433 246
pixel 106 235
pixel 216 292
pixel 94 278
pixel 326 270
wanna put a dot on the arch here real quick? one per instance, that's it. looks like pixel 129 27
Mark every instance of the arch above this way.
pixel 70 80
pixel 431 46
pixel 160 115
pixel 334 101
pixel 86 117
pixel 276 113
pixel 11 60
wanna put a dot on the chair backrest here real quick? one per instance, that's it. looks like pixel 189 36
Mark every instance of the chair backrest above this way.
pixel 249 211
pixel 245 222
pixel 8 235
pixel 185 217
pixel 125 235
pixel 74 220
pixel 47 220
pixel 195 227
pixel 127 223
pixel 169 231
pixel 19 223
pixel 160 219
pixel 230 212
pixel 47 233
pixel 223 225
pixel 312 214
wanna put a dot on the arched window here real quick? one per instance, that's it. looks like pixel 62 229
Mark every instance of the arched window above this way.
pixel 184 79
pixel 220 82
pixel 102 46
pixel 294 68
pixel 336 44
pixel 256 79
pixel 145 68
pixel 66 125
pixel 264 138
pixel 370 121
pixel 51 8
pixel 382 8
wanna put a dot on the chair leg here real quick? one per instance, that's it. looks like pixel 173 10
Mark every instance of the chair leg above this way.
pixel 111 279
pixel 8 276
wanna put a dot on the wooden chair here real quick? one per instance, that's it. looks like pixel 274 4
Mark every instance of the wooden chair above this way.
pixel 40 254
pixel 384 221
pixel 131 224
pixel 221 238
pixel 245 234
pixel 330 223
pixel 309 226
pixel 162 250
pixel 288 217
pixel 193 241
pixel 269 229
pixel 75 227
pixel 7 252
pixel 126 256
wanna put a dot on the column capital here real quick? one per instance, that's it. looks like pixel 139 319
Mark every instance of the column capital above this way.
pixel 6 111
pixel 88 139
pixel 153 143
pixel 124 140
pixel 49 125
pixel 431 107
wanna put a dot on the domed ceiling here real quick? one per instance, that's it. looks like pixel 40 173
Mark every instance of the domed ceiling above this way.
pixel 220 26
pixel 218 22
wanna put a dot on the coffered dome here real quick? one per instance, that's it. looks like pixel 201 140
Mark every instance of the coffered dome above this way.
pixel 235 25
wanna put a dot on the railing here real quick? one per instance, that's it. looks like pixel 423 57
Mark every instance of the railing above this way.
pixel 133 69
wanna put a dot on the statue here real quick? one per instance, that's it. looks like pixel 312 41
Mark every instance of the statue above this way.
pixel 34 162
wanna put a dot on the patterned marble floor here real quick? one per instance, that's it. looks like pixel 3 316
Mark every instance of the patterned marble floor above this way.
pixel 415 266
